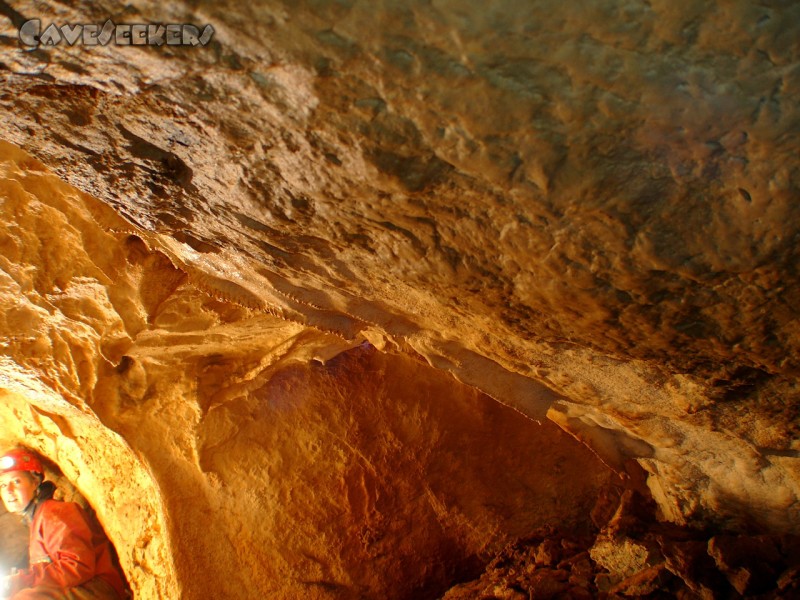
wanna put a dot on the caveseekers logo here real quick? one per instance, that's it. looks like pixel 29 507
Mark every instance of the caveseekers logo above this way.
pixel 137 34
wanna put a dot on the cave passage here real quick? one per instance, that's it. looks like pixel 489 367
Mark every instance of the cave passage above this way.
pixel 411 300
pixel 14 532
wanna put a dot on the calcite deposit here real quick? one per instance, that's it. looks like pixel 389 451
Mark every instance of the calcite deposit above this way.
pixel 345 301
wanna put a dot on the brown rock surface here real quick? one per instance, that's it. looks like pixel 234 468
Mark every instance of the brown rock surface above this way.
pixel 678 562
pixel 586 212
pixel 233 453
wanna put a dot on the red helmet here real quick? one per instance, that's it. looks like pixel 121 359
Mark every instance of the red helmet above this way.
pixel 20 460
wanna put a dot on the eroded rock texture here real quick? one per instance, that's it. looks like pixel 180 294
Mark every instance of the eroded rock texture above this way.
pixel 587 212
pixel 632 558
pixel 232 453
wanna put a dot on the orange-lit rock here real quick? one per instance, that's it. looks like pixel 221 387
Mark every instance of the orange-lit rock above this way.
pixel 586 213
pixel 233 453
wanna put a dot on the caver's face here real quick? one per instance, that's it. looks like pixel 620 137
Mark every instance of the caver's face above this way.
pixel 17 489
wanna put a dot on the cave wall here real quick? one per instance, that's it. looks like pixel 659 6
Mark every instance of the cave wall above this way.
pixel 232 453
pixel 587 212
pixel 629 164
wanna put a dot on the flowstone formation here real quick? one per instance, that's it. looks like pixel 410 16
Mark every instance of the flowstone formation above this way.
pixel 265 298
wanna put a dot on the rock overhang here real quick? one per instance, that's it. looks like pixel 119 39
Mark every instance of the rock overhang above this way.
pixel 587 220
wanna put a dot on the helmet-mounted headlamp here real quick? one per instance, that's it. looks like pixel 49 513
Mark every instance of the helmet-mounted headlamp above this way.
pixel 20 460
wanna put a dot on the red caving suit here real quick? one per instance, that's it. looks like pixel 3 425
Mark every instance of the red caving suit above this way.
pixel 68 560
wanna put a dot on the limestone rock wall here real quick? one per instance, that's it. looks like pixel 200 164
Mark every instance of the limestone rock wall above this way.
pixel 587 211
pixel 232 453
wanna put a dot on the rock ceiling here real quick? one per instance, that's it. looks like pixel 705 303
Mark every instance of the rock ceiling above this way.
pixel 240 281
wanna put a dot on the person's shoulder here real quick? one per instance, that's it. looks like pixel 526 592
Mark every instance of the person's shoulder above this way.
pixel 61 509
